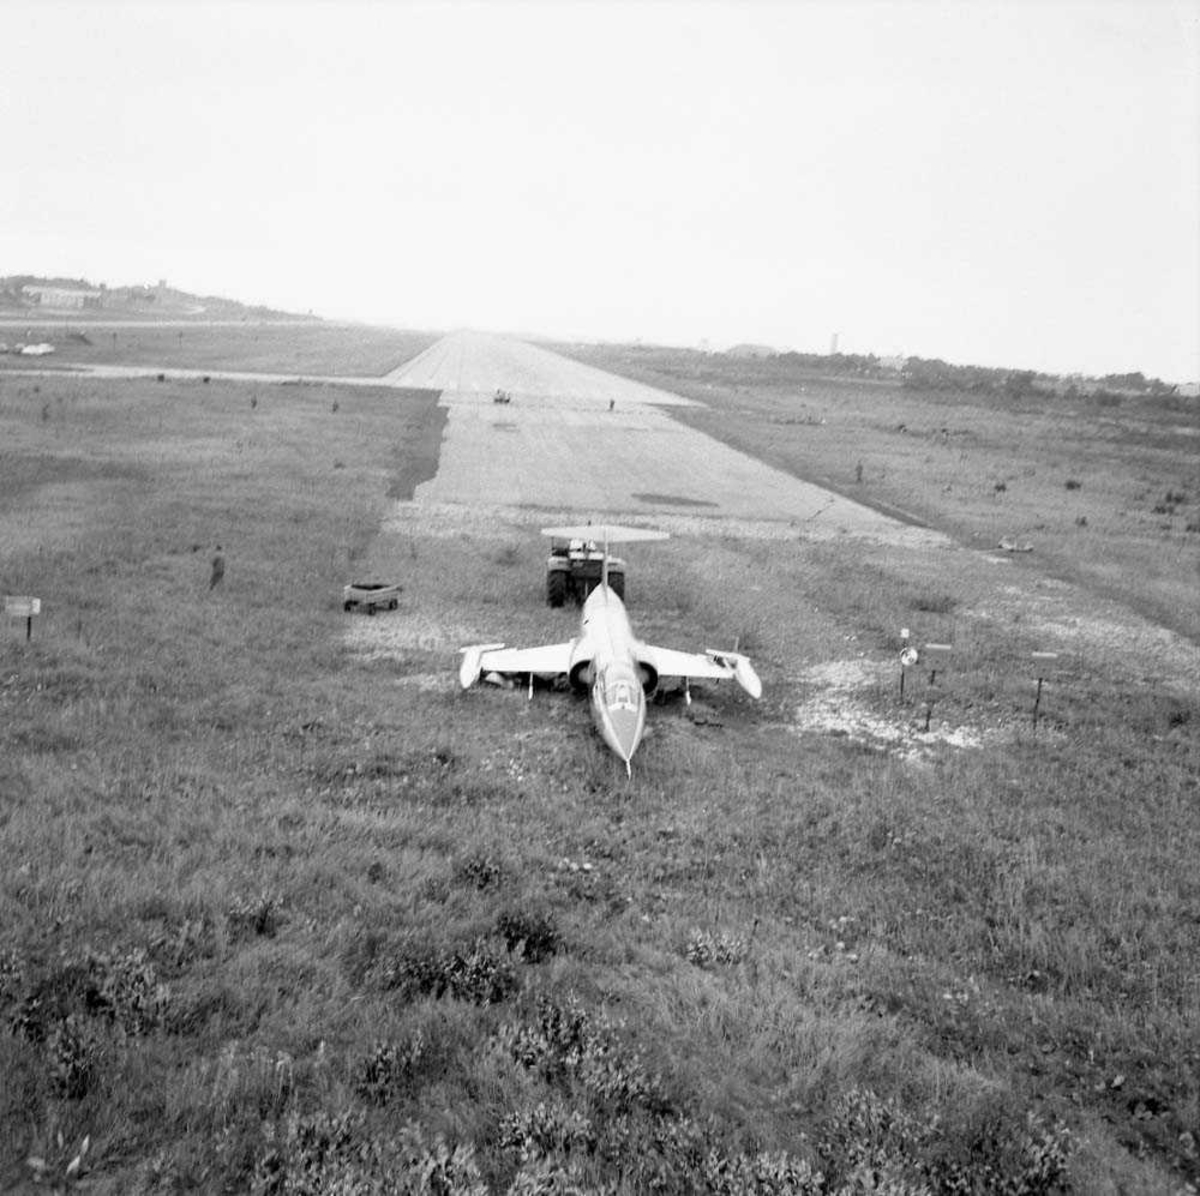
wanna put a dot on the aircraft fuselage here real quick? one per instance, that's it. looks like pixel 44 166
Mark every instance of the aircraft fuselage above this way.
pixel 618 696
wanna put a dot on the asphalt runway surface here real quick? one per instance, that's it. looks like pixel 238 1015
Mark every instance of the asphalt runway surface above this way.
pixel 576 440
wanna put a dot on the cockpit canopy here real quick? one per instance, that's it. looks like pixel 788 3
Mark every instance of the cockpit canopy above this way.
pixel 621 686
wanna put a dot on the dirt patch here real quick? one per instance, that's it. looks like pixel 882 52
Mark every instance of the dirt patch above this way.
pixel 839 706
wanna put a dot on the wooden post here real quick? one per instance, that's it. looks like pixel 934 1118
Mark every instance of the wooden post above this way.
pixel 936 651
pixel 1042 658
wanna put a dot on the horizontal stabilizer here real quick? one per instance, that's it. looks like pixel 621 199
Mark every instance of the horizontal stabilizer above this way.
pixel 610 533
pixel 743 670
pixel 468 673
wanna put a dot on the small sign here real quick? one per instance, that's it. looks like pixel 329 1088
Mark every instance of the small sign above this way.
pixel 939 648
pixel 1044 655
pixel 22 608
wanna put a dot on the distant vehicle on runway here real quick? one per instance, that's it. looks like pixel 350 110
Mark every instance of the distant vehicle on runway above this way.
pixel 607 658
pixel 502 396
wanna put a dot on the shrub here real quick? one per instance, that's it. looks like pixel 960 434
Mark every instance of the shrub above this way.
pixel 546 1130
pixel 472 974
pixel 705 951
pixel 391 1068
pixel 75 1052
pixel 869 1140
pixel 325 1153
pixel 123 989
pixel 482 871
pixel 565 1043
pixel 535 935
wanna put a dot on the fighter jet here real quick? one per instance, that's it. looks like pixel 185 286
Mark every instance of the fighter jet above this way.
pixel 607 658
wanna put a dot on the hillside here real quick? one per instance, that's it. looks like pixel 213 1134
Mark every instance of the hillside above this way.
pixel 33 295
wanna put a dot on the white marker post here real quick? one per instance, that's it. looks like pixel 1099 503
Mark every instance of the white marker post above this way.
pixel 18 607
pixel 1042 660
pixel 908 657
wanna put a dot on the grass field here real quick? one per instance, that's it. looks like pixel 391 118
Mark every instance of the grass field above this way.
pixel 1107 491
pixel 302 348
pixel 283 911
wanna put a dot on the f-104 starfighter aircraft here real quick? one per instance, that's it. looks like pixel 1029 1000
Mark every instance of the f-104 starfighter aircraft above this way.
pixel 607 658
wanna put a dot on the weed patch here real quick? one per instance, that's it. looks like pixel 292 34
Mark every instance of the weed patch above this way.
pixel 324 1152
pixel 475 973
pixel 391 1068
pixel 533 935
pixel 258 916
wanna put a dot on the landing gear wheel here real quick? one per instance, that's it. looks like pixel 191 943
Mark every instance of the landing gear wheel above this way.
pixel 556 588
pixel 371 611
pixel 616 583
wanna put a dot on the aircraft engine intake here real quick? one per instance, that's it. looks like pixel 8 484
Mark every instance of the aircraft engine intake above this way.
pixel 581 673
pixel 648 675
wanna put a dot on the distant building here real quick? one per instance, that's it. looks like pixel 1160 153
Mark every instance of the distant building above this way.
pixel 896 362
pixel 63 297
pixel 1188 390
pixel 750 351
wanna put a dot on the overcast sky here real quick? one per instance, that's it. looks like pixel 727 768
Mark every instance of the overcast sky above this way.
pixel 1012 184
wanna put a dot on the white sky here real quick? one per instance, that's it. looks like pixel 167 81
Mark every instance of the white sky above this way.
pixel 1012 183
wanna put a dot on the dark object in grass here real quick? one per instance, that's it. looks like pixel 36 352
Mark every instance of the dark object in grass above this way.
pixel 536 934
pixel 257 916
pixel 937 604
pixel 1073 484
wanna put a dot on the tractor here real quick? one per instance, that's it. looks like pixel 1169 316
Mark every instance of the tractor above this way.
pixel 573 570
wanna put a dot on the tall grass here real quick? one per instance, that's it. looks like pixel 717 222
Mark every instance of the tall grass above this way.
pixel 276 918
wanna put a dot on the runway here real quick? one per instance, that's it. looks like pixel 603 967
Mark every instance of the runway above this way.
pixel 577 440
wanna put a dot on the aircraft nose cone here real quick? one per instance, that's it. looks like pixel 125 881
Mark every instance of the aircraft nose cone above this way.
pixel 622 720
pixel 626 731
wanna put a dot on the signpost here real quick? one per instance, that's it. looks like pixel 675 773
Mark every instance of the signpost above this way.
pixel 17 607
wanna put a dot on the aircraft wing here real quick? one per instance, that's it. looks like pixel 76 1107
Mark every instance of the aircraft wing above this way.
pixel 547 660
pixel 714 663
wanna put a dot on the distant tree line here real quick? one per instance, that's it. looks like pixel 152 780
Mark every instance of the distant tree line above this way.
pixel 931 373
pixel 864 365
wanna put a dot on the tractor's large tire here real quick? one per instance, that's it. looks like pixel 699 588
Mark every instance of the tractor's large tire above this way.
pixel 616 583
pixel 556 587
